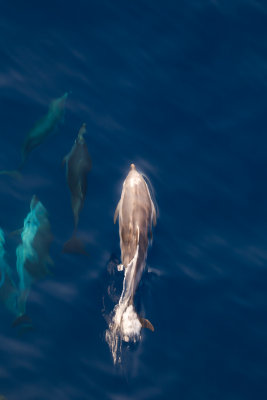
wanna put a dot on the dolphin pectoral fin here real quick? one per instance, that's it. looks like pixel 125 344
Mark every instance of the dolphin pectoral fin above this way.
pixel 117 212
pixel 146 324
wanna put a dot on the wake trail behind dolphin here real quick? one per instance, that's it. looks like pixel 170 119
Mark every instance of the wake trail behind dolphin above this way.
pixel 125 324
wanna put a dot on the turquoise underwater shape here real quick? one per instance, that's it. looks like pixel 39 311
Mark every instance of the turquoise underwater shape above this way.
pixel 25 251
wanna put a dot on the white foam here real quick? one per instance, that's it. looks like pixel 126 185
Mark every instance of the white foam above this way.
pixel 125 324
pixel 131 326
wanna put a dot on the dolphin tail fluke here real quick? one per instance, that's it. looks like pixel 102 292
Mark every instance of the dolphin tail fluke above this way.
pixel 14 173
pixel 146 323
pixel 22 320
pixel 74 245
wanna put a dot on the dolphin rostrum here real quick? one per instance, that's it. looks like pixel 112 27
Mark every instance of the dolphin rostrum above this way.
pixel 40 131
pixel 137 214
pixel 78 164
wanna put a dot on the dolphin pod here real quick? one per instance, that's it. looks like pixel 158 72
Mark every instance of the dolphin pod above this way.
pixel 137 214
pixel 40 131
pixel 78 164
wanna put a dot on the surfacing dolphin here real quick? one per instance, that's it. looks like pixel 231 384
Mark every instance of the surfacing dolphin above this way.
pixel 78 164
pixel 137 214
pixel 41 130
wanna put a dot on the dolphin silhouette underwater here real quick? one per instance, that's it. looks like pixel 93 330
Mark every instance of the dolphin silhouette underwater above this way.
pixel 33 253
pixel 137 214
pixel 40 131
pixel 78 164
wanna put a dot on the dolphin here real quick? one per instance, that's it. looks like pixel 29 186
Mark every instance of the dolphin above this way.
pixel 137 214
pixel 78 164
pixel 40 131
pixel 33 253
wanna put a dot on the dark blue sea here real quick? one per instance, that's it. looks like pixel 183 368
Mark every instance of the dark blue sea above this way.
pixel 180 89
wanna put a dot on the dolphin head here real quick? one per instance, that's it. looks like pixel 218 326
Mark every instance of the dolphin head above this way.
pixel 59 103
pixel 82 131
pixel 34 202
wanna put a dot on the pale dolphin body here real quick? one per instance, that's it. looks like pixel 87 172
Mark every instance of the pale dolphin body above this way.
pixel 40 131
pixel 137 214
pixel 78 164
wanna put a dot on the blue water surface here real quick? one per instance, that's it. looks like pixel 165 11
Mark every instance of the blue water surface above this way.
pixel 178 88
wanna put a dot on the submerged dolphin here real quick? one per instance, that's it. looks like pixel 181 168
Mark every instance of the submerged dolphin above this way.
pixel 33 253
pixel 78 164
pixel 136 213
pixel 41 130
